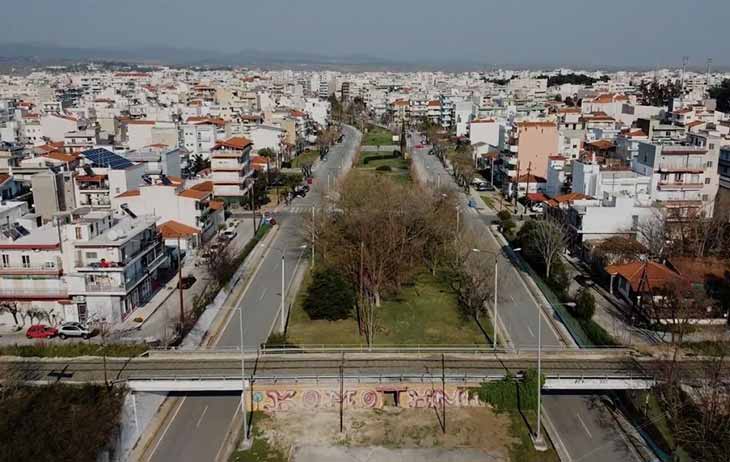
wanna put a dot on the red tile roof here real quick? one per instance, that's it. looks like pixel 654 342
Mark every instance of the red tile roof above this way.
pixel 173 229
pixel 130 193
pixel 203 186
pixel 194 194
pixel 216 205
pixel 237 142
pixel 571 197
pixel 530 178
pixel 646 276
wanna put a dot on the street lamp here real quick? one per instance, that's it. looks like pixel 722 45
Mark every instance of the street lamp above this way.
pixel 496 267
pixel 246 443
pixel 538 440
pixel 283 284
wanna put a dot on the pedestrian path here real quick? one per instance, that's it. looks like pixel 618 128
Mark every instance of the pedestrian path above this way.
pixel 299 210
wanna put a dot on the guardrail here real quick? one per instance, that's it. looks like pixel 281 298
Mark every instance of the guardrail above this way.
pixel 264 350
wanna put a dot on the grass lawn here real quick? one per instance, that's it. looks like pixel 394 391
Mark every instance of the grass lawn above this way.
pixel 305 158
pixel 489 201
pixel 424 313
pixel 523 450
pixel 400 168
pixel 377 136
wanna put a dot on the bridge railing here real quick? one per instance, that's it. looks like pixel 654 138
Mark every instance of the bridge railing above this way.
pixel 389 349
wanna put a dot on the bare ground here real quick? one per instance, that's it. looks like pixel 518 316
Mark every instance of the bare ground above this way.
pixel 390 434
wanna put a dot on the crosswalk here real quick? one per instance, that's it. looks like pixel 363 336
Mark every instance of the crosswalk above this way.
pixel 299 210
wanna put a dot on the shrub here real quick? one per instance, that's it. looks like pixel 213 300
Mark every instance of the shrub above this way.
pixel 597 334
pixel 510 394
pixel 585 304
pixel 508 227
pixel 383 168
pixel 559 279
pixel 329 296
pixel 504 215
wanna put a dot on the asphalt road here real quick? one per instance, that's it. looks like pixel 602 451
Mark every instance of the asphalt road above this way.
pixel 584 434
pixel 181 441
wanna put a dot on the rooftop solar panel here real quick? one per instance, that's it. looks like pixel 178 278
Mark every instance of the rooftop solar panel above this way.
pixel 101 157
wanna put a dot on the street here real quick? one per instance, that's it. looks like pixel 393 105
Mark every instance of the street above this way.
pixel 583 438
pixel 180 439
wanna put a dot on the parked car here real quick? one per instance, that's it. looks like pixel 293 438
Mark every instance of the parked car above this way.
pixel 538 208
pixel 73 329
pixel 187 282
pixel 228 234
pixel 41 331
pixel 418 146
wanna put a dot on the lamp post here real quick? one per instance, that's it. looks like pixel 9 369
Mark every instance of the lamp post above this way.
pixel 246 443
pixel 538 441
pixel 282 308
pixel 496 279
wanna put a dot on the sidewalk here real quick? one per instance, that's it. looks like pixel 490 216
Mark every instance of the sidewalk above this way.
pixel 612 313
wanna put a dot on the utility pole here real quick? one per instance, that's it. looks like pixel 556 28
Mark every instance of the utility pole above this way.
pixel 342 392
pixel 253 211
pixel 527 190
pixel 539 442
pixel 283 291
pixel 685 60
pixel 517 185
pixel 443 391
pixel 246 443
pixel 496 315
pixel 313 236
pixel 179 286
pixel 362 286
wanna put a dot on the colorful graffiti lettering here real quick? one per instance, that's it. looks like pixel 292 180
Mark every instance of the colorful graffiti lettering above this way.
pixel 280 400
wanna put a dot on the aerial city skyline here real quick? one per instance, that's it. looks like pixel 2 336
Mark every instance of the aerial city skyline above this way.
pixel 386 231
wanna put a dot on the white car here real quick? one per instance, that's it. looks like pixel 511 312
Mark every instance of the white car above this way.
pixel 538 208
pixel 228 234
pixel 73 329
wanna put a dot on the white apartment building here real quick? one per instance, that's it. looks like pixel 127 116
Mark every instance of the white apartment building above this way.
pixel 684 176
pixel 193 207
pixel 231 168
pixel 199 138
pixel 85 266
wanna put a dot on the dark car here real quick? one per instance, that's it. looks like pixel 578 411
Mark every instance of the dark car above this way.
pixel 187 282
pixel 41 331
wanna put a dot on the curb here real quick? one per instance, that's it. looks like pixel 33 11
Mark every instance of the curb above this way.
pixel 231 437
pixel 211 337
pixel 555 438
pixel 558 327
pixel 148 434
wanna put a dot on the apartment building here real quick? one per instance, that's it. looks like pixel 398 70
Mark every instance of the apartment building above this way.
pixel 193 207
pixel 104 175
pixel 684 176
pixel 231 168
pixel 84 266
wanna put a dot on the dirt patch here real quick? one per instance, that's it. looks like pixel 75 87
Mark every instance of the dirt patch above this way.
pixel 472 428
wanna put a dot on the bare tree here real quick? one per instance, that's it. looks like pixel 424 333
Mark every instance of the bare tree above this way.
pixel 547 238
pixel 471 278
pixel 12 308
pixel 220 263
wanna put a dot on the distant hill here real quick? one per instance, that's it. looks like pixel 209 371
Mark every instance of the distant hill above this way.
pixel 43 54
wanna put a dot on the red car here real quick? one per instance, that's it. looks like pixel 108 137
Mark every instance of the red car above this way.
pixel 41 331
pixel 418 146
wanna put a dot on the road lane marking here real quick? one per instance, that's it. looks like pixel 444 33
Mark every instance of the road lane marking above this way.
pixel 263 293
pixel 530 330
pixel 169 424
pixel 202 414
pixel 585 427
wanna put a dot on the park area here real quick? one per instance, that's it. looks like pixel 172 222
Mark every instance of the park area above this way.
pixel 377 136
pixel 305 158
pixel 388 164
pixel 425 312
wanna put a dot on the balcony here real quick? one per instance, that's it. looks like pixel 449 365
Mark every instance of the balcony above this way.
pixel 672 167
pixel 96 287
pixel 672 186
pixel 33 270
pixel 12 293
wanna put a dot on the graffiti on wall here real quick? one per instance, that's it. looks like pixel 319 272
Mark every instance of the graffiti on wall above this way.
pixel 278 398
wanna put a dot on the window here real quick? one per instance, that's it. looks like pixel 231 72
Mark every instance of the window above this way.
pixel 709 163
pixel 78 232
pixel 665 177
pixel 26 261
pixel 677 177
pixel 91 255
pixel 5 260
pixel 705 197
pixel 635 222
pixel 708 180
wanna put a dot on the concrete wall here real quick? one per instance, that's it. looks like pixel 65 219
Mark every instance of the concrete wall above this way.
pixel 278 398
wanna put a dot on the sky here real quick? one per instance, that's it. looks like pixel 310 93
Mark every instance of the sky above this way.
pixel 644 33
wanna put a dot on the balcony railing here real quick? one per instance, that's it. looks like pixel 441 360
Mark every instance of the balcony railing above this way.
pixel 104 287
pixel 9 293
pixel 672 186
pixel 30 270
